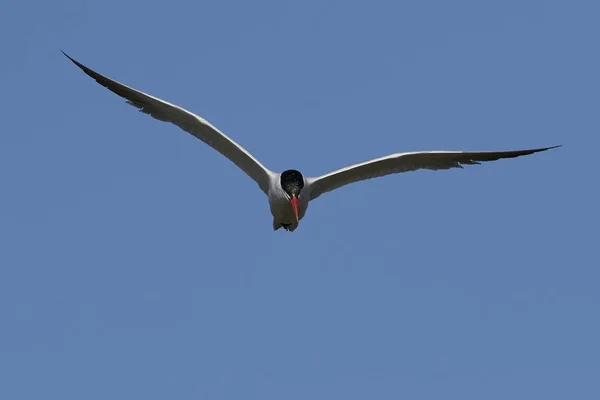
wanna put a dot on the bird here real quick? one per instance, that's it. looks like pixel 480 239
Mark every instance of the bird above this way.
pixel 289 192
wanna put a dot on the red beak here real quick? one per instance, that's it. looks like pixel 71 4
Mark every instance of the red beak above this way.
pixel 294 202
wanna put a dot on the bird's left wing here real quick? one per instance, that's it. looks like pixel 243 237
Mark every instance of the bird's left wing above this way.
pixel 404 162
pixel 189 122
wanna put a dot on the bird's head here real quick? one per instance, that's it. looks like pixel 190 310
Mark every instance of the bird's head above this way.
pixel 292 183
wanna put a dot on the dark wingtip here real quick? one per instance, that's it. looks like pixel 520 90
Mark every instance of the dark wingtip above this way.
pixel 552 147
pixel 69 57
pixel 547 148
pixel 83 67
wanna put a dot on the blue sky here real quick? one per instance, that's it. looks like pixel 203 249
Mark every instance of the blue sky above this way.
pixel 136 262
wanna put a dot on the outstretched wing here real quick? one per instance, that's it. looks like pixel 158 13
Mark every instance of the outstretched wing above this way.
pixel 189 122
pixel 404 162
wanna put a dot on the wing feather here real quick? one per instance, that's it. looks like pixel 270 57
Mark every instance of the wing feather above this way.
pixel 404 162
pixel 189 122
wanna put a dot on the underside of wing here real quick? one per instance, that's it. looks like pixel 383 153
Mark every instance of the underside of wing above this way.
pixel 404 162
pixel 189 122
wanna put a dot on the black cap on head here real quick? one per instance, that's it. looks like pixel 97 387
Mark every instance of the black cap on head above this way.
pixel 292 182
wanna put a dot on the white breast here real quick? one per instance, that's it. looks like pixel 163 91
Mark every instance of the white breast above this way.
pixel 279 202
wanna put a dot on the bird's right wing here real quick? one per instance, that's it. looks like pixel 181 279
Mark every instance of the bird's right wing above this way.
pixel 404 162
pixel 189 122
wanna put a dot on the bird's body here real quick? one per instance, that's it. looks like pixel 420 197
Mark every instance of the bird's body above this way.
pixel 279 200
pixel 290 192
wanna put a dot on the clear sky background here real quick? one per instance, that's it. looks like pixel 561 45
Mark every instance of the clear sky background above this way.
pixel 136 262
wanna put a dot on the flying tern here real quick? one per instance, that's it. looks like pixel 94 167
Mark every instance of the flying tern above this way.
pixel 289 192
